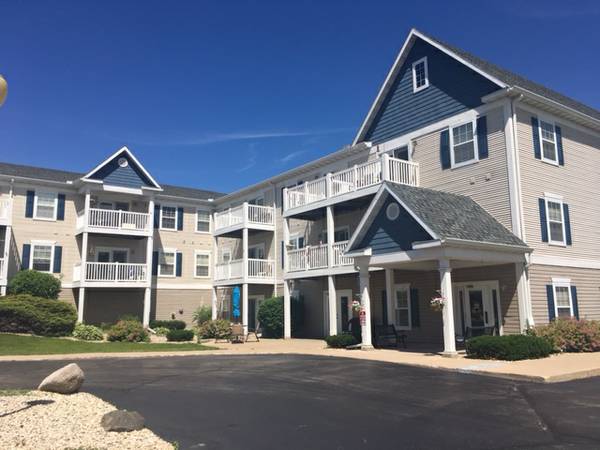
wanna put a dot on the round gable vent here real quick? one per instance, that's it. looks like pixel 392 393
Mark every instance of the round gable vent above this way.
pixel 393 211
pixel 123 162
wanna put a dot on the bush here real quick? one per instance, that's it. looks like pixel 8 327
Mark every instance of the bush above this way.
pixel 161 331
pixel 88 332
pixel 129 318
pixel 37 284
pixel 202 314
pixel 508 348
pixel 570 335
pixel 180 335
pixel 270 316
pixel 27 314
pixel 341 340
pixel 215 329
pixel 128 330
pixel 170 324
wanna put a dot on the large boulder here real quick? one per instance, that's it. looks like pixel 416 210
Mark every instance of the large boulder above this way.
pixel 66 380
pixel 121 420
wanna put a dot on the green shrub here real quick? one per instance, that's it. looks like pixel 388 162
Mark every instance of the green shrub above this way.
pixel 27 314
pixel 509 348
pixel 180 335
pixel 161 331
pixel 170 324
pixel 128 330
pixel 570 335
pixel 341 340
pixel 37 284
pixel 88 332
pixel 215 329
pixel 202 314
pixel 129 318
pixel 270 316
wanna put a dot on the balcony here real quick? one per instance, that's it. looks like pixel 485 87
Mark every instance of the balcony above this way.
pixel 5 211
pixel 314 257
pixel 99 274
pixel 245 216
pixel 357 181
pixel 261 271
pixel 109 221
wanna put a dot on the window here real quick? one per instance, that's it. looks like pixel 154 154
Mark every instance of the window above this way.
pixel 463 144
pixel 563 303
pixel 46 205
pixel 42 257
pixel 225 255
pixel 168 218
pixel 202 264
pixel 166 263
pixel 202 221
pixel 402 307
pixel 340 234
pixel 420 75
pixel 256 251
pixel 556 223
pixel 548 140
pixel 296 242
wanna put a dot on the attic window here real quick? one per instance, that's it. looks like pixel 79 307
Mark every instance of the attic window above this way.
pixel 420 74
pixel 123 162
pixel 393 211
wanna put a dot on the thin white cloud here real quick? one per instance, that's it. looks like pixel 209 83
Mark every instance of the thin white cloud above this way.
pixel 290 156
pixel 252 157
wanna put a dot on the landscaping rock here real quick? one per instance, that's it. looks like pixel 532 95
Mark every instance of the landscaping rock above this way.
pixel 67 380
pixel 122 420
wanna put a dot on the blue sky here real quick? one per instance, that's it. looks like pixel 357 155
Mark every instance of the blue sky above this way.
pixel 221 94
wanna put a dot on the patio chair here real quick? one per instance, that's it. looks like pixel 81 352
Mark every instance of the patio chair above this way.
pixel 255 331
pixel 237 334
pixel 388 336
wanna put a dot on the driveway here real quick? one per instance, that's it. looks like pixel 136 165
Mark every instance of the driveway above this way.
pixel 310 402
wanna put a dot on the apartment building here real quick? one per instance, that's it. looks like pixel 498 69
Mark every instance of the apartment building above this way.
pixel 465 181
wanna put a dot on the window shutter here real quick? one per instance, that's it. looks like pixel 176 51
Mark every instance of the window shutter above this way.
pixel 156 216
pixel 574 300
pixel 535 130
pixel 415 315
pixel 445 149
pixel 29 204
pixel 179 261
pixel 559 145
pixel 567 220
pixel 56 266
pixel 155 263
pixel 60 210
pixel 25 256
pixel 482 140
pixel 543 220
pixel 550 295
pixel 180 219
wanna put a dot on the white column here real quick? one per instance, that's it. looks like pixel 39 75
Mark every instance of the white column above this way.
pixel 331 292
pixel 523 293
pixel 6 253
pixel 149 250
pixel 330 235
pixel 389 295
pixel 2 290
pixel 147 300
pixel 82 276
pixel 80 303
pixel 286 241
pixel 214 304
pixel 245 253
pixel 365 300
pixel 448 310
pixel 287 310
pixel 245 307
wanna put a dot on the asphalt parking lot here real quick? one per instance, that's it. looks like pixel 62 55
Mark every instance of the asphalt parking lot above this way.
pixel 309 402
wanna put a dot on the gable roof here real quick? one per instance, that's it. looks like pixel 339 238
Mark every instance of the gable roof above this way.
pixel 502 77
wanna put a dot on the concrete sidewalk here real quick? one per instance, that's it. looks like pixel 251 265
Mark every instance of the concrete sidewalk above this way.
pixel 556 368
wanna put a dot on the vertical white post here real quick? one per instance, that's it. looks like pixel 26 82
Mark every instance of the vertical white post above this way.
pixel 245 307
pixel 286 241
pixel 245 214
pixel 448 310
pixel 328 186
pixel 86 210
pixel 365 300
pixel 525 313
pixel 214 304
pixel 284 199
pixel 80 304
pixel 6 253
pixel 147 300
pixel 385 167
pixel 245 253
pixel 330 236
pixel 332 294
pixel 287 310
pixel 390 295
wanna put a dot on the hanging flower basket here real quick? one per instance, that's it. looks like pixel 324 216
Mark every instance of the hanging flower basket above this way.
pixel 356 305
pixel 437 303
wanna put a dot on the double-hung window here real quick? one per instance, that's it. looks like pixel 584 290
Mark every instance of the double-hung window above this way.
pixel 41 259
pixel 563 303
pixel 166 263
pixel 463 145
pixel 46 204
pixel 168 218
pixel 556 221
pixel 548 140
pixel 202 221
pixel 402 306
pixel 420 75
pixel 202 264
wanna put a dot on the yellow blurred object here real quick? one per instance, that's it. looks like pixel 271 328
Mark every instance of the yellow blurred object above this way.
pixel 3 89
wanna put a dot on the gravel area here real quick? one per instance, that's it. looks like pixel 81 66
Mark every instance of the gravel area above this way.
pixel 43 420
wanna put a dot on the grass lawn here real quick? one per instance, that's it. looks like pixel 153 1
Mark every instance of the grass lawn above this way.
pixel 12 344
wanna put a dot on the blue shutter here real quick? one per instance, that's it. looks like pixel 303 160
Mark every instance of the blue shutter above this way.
pixel 415 315
pixel 180 219
pixel 155 263
pixel 179 260
pixel 29 204
pixel 445 149
pixel 559 145
pixel 574 300
pixel 550 297
pixel 482 140
pixel 60 210
pixel 567 220
pixel 535 129
pixel 57 259
pixel 25 256
pixel 543 220
pixel 156 216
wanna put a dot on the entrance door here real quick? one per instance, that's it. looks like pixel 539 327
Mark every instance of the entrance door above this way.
pixel 476 311
pixel 476 307
pixel 253 307
pixel 343 307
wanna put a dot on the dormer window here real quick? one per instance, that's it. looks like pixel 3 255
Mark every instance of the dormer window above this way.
pixel 420 75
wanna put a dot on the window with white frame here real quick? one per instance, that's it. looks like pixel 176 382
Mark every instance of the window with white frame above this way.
pixel 563 303
pixel 556 221
pixel 340 234
pixel 202 221
pixel 166 263
pixel 46 205
pixel 41 259
pixel 463 146
pixel 296 242
pixel 548 140
pixel 168 217
pixel 402 306
pixel 420 75
pixel 225 255
pixel 202 264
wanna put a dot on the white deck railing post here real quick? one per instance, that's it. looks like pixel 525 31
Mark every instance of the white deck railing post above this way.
pixel 385 167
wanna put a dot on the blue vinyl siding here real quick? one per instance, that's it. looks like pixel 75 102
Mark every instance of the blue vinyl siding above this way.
pixel 453 88
pixel 386 236
pixel 130 176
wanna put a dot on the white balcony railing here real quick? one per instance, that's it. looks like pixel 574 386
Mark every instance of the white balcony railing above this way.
pixel 258 269
pixel 316 257
pixel 229 270
pixel 338 255
pixel 112 272
pixel 245 213
pixel 108 219
pixel 362 176
pixel 5 210
pixel 261 268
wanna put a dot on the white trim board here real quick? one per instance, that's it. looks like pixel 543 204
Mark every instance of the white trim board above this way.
pixel 544 260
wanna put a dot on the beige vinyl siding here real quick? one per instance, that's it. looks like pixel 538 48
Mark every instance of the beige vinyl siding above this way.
pixel 577 181
pixel 179 304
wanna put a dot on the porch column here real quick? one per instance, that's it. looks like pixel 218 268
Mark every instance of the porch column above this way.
pixel 245 307
pixel 2 291
pixel 287 310
pixel 214 304
pixel 245 253
pixel 330 236
pixel 82 275
pixel 6 254
pixel 149 250
pixel 365 299
pixel 147 300
pixel 448 310
pixel 523 293
pixel 80 304
pixel 332 294
pixel 286 241
pixel 389 296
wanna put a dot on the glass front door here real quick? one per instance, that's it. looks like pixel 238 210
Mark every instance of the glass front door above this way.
pixel 476 309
